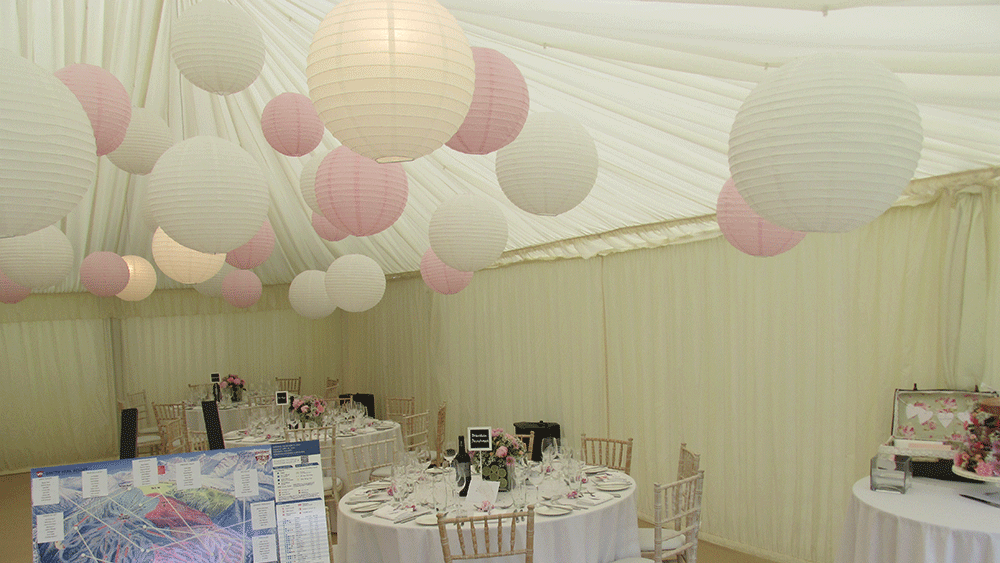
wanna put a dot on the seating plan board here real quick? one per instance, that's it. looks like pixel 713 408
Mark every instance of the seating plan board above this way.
pixel 256 504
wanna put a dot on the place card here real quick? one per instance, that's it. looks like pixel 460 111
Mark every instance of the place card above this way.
pixel 481 491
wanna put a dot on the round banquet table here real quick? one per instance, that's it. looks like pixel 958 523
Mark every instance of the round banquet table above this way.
pixel 599 534
pixel 932 522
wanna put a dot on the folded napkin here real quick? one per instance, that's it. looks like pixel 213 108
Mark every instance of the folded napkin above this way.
pixel 371 497
pixel 593 499
pixel 400 514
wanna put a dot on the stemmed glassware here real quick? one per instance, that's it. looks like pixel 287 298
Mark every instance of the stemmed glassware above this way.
pixel 449 453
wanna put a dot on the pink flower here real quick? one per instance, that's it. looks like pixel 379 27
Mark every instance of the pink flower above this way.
pixel 305 408
pixel 223 385
pixel 320 409
pixel 961 458
pixel 986 468
pixel 296 403
pixel 502 451
pixel 510 460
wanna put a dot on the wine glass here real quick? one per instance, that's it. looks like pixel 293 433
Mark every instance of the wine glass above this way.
pixel 535 474
pixel 449 453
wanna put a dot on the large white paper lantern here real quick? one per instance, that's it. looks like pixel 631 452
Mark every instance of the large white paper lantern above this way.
pixel 217 46
pixel 355 283
pixel 148 136
pixel 184 264
pixel 141 279
pixel 550 167
pixel 37 260
pixel 208 194
pixel 48 156
pixel 307 295
pixel 391 79
pixel 468 232
pixel 825 143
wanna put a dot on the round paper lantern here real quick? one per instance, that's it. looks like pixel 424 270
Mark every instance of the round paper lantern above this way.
pixel 141 279
pixel 355 283
pixel 550 167
pixel 217 46
pixel 213 287
pixel 747 231
pixel 241 288
pixel 326 230
pixel 359 195
pixel 208 194
pixel 499 105
pixel 37 260
pixel 307 180
pixel 308 297
pixel 147 137
pixel 441 277
pixel 104 99
pixel 181 263
pixel 12 292
pixel 255 251
pixel 392 80
pixel 291 124
pixel 105 274
pixel 468 232
pixel 49 156
pixel 825 143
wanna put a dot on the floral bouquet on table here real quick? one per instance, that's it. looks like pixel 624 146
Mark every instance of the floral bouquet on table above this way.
pixel 498 464
pixel 979 450
pixel 308 409
pixel 236 385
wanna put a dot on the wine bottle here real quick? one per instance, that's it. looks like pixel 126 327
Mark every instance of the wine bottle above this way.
pixel 463 467
pixel 216 392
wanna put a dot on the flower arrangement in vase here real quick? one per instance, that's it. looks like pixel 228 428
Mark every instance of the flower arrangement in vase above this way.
pixel 498 464
pixel 236 384
pixel 308 409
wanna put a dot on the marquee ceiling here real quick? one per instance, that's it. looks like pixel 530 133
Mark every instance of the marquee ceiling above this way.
pixel 656 83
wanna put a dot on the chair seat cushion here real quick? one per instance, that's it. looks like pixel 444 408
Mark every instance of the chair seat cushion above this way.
pixel 646 540
pixel 149 430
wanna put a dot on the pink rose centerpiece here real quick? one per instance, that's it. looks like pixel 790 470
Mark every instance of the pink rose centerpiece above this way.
pixel 308 409
pixel 235 384
pixel 498 464
pixel 979 449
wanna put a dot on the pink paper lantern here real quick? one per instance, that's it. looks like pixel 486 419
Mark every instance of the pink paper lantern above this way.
pixel 499 105
pixel 105 274
pixel 441 277
pixel 291 124
pixel 359 195
pixel 104 99
pixel 255 251
pixel 326 230
pixel 241 288
pixel 10 291
pixel 748 231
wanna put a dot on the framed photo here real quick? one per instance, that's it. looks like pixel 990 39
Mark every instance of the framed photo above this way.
pixel 480 438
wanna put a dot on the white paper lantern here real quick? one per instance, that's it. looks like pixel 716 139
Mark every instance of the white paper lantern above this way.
pixel 308 297
pixel 48 155
pixel 355 283
pixel 213 287
pixel 141 279
pixel 307 180
pixel 147 137
pixel 825 143
pixel 550 167
pixel 217 46
pixel 468 232
pixel 392 80
pixel 37 260
pixel 208 194
pixel 184 264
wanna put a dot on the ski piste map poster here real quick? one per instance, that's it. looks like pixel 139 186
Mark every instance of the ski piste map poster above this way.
pixel 257 504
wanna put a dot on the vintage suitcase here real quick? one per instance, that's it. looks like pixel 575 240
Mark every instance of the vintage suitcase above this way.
pixel 927 426
pixel 542 430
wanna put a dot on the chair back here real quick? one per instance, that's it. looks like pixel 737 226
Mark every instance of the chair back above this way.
pixel 415 431
pixel 138 402
pixel 361 459
pixel 528 439
pixel 332 392
pixel 609 452
pixel 677 509
pixel 198 441
pixel 327 436
pixel 291 384
pixel 398 407
pixel 173 436
pixel 168 411
pixel 498 540
pixel 439 435
pixel 687 464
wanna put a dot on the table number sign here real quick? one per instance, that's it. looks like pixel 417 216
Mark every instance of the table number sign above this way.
pixel 216 378
pixel 480 438
pixel 281 397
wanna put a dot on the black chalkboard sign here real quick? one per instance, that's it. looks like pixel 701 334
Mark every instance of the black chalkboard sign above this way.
pixel 480 438
pixel 215 378
pixel 281 397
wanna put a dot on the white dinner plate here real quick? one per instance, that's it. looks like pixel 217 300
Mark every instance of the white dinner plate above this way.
pixel 366 507
pixel 427 520
pixel 385 426
pixel 434 471
pixel 613 486
pixel 549 510
pixel 504 502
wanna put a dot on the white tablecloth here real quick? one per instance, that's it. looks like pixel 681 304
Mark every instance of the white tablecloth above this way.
pixel 930 523
pixel 600 534
pixel 230 418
